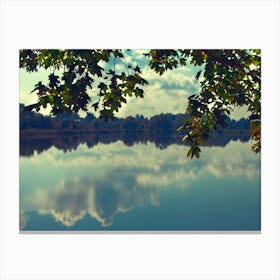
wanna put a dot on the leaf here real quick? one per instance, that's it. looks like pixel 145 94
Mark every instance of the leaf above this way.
pixel 106 114
pixel 181 129
pixel 31 107
pixel 137 69
pixel 185 138
pixel 183 61
pixel 40 87
pixel 190 151
pixel 197 152
pixel 197 75
pixel 102 86
pixel 53 80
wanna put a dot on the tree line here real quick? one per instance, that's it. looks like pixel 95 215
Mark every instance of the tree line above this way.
pixel 30 120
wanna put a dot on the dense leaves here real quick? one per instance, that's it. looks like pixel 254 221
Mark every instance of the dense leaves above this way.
pixel 228 79
pixel 75 73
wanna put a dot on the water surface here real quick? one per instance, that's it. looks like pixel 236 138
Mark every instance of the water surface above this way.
pixel 140 187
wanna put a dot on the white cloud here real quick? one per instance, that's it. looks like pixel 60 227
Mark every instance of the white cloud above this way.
pixel 239 112
pixel 165 94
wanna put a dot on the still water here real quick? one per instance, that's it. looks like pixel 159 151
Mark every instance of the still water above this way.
pixel 140 187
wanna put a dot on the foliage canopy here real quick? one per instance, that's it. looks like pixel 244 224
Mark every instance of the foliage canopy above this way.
pixel 228 79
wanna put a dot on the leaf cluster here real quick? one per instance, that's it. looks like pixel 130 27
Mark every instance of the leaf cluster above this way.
pixel 229 79
pixel 77 72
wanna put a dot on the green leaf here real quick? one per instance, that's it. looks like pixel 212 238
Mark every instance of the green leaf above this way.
pixel 197 75
pixel 197 152
pixel 190 152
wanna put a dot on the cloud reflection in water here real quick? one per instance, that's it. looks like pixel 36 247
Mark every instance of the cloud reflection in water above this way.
pixel 112 179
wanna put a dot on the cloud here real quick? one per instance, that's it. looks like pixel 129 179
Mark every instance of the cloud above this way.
pixel 239 112
pixel 165 94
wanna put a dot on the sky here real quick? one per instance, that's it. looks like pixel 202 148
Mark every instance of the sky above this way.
pixel 167 93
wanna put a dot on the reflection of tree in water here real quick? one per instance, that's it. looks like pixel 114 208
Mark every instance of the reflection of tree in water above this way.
pixel 29 143
pixel 101 198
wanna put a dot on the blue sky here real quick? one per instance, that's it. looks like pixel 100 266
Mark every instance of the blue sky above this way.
pixel 164 94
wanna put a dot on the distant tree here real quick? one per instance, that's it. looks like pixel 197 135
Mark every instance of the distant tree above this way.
pixel 243 123
pixel 89 117
pixel 228 79
pixel 129 123
pixel 67 115
pixel 162 122
pixel 139 117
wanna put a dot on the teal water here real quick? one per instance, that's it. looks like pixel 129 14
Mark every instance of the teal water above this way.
pixel 141 187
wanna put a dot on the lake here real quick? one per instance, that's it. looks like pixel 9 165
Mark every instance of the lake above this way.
pixel 69 184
